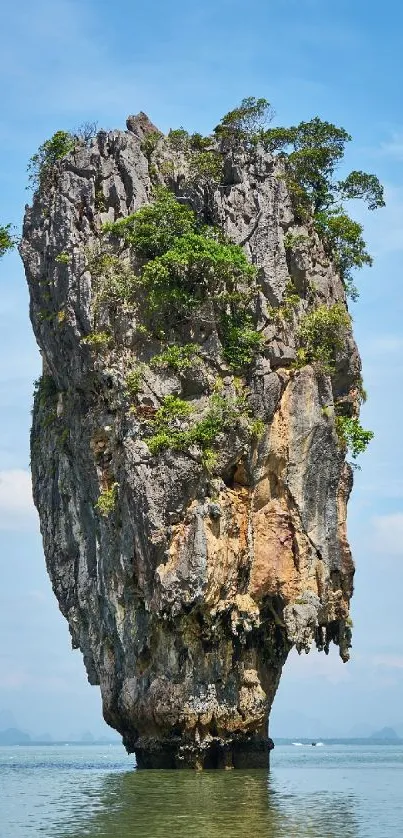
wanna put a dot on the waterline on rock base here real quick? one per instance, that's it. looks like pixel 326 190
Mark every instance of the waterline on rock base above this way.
pixel 214 753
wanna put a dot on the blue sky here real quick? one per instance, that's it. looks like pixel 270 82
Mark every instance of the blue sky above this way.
pixel 67 61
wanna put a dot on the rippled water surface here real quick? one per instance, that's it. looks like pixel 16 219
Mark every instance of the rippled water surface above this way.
pixel 328 792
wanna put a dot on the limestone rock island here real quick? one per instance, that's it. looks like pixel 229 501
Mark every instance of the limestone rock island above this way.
pixel 188 465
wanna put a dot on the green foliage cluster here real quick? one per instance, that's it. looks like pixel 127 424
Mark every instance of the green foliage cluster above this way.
pixel 313 150
pixel 285 312
pixel 153 229
pixel 100 200
pixel 107 500
pixel 245 123
pixel 195 267
pixel 6 239
pixel 344 238
pixel 206 165
pixel 192 272
pixel 98 341
pixel 352 435
pixel 114 281
pixel 133 381
pixel 199 143
pixel 174 429
pixel 45 397
pixel 178 139
pixel 322 333
pixel 41 164
pixel 241 341
pixel 45 391
pixel 149 143
pixel 178 357
pixel 63 258
pixel 295 240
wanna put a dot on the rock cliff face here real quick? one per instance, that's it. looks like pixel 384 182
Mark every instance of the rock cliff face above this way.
pixel 187 587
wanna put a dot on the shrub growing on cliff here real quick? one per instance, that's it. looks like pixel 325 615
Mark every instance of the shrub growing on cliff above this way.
pixel 99 341
pixel 6 240
pixel 206 167
pixel 178 139
pixel 149 143
pixel 352 435
pixel 107 499
pixel 312 151
pixel 344 238
pixel 45 391
pixel 134 380
pixel 41 164
pixel 322 334
pixel 192 272
pixel 175 429
pixel 241 342
pixel 177 357
pixel 244 123
pixel 113 280
pixel 153 229
pixel 197 265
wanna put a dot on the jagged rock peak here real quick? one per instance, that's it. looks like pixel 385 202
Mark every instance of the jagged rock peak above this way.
pixel 140 125
pixel 190 482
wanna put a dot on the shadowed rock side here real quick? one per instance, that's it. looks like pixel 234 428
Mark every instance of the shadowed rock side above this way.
pixel 186 595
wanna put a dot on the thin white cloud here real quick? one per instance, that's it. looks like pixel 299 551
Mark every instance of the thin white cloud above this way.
pixel 17 509
pixel 388 530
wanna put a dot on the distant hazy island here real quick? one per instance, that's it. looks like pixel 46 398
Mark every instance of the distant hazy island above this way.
pixel 15 736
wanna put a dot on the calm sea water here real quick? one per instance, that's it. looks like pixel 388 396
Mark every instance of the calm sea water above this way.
pixel 329 792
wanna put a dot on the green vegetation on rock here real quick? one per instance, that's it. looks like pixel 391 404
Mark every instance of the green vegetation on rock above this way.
pixel 41 164
pixel 150 142
pixel 245 123
pixel 322 334
pixel 177 357
pixel 133 381
pixel 6 239
pixel 97 340
pixel 311 152
pixel 107 499
pixel 314 150
pixel 114 281
pixel 192 272
pixel 241 342
pixel 352 435
pixel 174 428
pixel 154 228
pixel 63 258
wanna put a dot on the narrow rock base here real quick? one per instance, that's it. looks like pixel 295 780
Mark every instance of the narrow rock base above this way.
pixel 252 752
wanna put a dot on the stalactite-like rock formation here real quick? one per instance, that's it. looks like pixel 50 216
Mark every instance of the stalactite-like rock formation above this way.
pixel 185 583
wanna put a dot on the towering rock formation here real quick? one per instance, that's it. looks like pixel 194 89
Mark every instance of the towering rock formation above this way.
pixel 185 578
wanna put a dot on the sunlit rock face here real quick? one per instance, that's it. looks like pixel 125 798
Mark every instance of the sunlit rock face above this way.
pixel 187 594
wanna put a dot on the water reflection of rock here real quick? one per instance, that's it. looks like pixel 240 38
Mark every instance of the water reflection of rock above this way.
pixel 157 804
